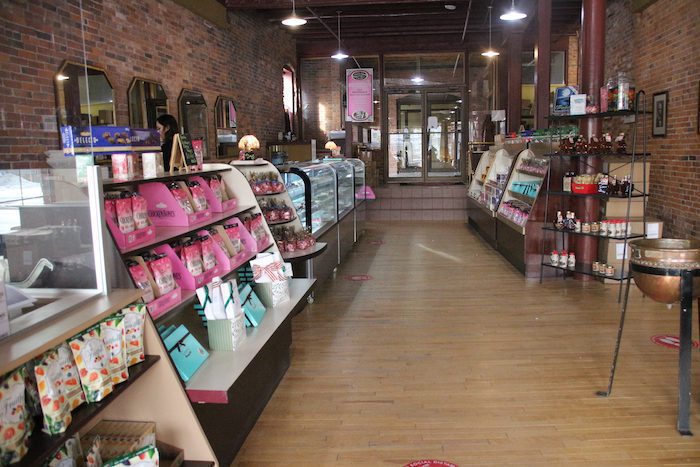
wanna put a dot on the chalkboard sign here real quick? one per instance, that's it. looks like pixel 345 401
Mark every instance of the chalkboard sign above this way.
pixel 187 150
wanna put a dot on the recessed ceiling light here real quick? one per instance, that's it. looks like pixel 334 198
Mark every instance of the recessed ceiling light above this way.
pixel 449 6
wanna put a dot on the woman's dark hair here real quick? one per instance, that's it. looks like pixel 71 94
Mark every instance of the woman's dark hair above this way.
pixel 169 121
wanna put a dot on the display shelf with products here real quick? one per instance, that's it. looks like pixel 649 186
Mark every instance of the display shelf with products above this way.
pixel 587 270
pixel 345 188
pixel 362 194
pixel 620 200
pixel 110 183
pixel 523 188
pixel 312 189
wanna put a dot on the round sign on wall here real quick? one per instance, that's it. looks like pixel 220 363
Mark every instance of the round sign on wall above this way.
pixel 430 463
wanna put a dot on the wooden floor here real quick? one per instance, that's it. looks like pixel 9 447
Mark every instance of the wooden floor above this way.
pixel 449 353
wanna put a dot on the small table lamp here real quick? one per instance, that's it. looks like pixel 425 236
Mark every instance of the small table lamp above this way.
pixel 247 144
pixel 333 147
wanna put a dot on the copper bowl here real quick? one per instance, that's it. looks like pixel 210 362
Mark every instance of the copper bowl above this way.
pixel 656 266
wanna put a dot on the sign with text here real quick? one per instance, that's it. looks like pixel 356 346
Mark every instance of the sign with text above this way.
pixel 360 97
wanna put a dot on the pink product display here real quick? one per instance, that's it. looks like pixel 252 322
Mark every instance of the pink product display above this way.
pixel 126 216
pixel 265 183
pixel 256 227
pixel 199 200
pixel 214 190
pixel 188 268
pixel 164 303
pixel 276 211
pixel 140 278
pixel 515 211
pixel 172 205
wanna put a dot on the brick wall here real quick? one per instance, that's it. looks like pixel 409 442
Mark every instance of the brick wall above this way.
pixel 321 89
pixel 154 40
pixel 660 46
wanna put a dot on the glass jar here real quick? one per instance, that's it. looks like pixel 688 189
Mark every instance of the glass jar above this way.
pixel 554 258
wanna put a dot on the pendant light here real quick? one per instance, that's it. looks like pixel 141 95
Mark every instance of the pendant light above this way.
pixel 490 52
pixel 418 79
pixel 339 55
pixel 293 20
pixel 513 14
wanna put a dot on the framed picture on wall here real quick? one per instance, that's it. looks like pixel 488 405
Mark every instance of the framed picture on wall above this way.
pixel 659 113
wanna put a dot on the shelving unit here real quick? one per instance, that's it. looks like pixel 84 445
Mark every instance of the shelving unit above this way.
pixel 560 197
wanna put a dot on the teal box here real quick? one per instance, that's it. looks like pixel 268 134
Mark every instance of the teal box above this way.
pixel 252 306
pixel 186 352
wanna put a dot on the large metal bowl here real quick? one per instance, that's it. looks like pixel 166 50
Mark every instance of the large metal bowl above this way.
pixel 656 265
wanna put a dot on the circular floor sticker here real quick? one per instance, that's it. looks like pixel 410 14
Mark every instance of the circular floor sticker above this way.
pixel 358 277
pixel 672 342
pixel 430 463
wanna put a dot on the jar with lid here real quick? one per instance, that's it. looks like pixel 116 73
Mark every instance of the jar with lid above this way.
pixel 603 227
pixel 563 259
pixel 624 97
pixel 571 261
pixel 554 258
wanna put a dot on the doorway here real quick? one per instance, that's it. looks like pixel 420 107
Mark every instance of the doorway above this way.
pixel 424 135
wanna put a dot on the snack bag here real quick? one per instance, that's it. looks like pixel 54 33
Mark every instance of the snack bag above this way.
pixel 162 270
pixel 67 455
pixel 92 359
pixel 134 322
pixel 219 241
pixel 54 403
pixel 215 185
pixel 140 278
pixel 208 256
pixel 125 216
pixel 139 208
pixel 192 258
pixel 181 197
pixel 111 206
pixel 113 335
pixel 15 420
pixel 232 230
pixel 93 457
pixel 199 199
pixel 72 388
pixel 144 457
pixel 33 399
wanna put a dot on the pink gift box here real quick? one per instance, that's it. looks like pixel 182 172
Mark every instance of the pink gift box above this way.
pixel 164 303
pixel 126 241
pixel 163 208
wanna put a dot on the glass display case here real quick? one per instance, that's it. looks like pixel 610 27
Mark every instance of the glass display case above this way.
pixel 346 185
pixel 522 188
pixel 495 178
pixel 312 188
pixel 51 256
pixel 359 169
pixel 476 187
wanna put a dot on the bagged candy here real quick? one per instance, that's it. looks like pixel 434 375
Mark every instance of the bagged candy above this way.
pixel 199 199
pixel 232 230
pixel 72 388
pixel 93 457
pixel 215 186
pixel 92 358
pixel 192 257
pixel 162 270
pixel 219 241
pixel 54 403
pixel 208 256
pixel 15 420
pixel 125 216
pixel 139 208
pixel 113 336
pixel 67 455
pixel 33 399
pixel 140 278
pixel 181 197
pixel 144 457
pixel 111 206
pixel 134 322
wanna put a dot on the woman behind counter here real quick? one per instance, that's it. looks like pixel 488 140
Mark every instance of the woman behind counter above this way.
pixel 167 127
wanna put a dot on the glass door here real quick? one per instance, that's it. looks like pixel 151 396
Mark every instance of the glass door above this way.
pixel 444 134
pixel 424 130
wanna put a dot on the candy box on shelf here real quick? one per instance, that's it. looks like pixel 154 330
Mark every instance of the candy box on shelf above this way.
pixel 584 188
pixel 248 246
pixel 163 302
pixel 186 352
pixel 225 204
pixel 126 241
pixel 172 207
pixel 182 275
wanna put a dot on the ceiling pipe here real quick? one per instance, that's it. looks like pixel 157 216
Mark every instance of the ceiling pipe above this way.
pixel 333 34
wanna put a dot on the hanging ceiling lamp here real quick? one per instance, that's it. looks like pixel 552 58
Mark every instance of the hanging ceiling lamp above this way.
pixel 418 79
pixel 339 55
pixel 490 52
pixel 293 20
pixel 513 14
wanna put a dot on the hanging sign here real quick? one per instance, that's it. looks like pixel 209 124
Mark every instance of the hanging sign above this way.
pixel 358 86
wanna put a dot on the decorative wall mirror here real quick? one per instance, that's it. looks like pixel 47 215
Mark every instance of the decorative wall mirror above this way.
pixel 84 96
pixel 193 117
pixel 226 127
pixel 147 102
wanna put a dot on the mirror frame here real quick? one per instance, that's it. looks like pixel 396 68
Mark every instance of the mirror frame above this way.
pixel 132 85
pixel 184 123
pixel 62 119
pixel 219 120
